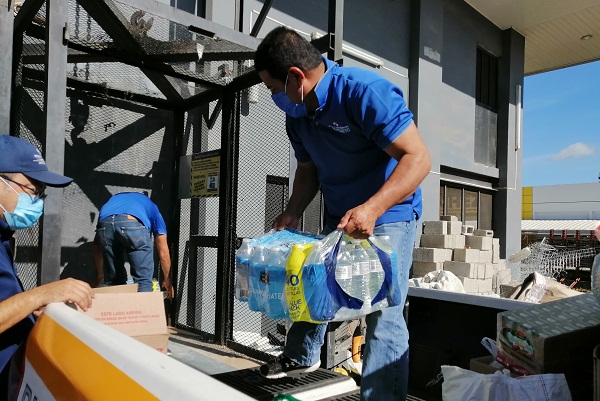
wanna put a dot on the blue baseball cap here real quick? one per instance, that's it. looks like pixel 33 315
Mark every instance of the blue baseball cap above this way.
pixel 19 156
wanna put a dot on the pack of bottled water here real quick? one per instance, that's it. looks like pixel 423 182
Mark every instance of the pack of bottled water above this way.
pixel 302 277
pixel 261 270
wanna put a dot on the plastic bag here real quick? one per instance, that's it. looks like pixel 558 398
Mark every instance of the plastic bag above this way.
pixel 465 385
pixel 314 295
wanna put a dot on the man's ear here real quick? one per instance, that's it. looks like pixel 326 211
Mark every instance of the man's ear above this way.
pixel 298 75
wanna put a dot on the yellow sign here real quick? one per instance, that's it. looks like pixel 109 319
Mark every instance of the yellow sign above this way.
pixel 204 177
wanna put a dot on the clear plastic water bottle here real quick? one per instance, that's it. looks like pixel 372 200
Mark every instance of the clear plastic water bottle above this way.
pixel 343 269
pixel 360 275
pixel 242 269
pixel 276 305
pixel 376 273
pixel 383 243
pixel 257 295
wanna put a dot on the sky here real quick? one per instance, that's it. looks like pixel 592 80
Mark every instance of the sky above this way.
pixel 561 126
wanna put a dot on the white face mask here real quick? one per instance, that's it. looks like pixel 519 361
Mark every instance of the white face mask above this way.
pixel 27 212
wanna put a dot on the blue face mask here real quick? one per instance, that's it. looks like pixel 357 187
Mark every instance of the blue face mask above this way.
pixel 290 108
pixel 27 211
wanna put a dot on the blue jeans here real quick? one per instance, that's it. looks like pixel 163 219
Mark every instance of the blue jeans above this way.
pixel 385 359
pixel 122 238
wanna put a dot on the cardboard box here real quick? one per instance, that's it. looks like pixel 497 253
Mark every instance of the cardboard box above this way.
pixel 487 365
pixel 140 315
pixel 553 337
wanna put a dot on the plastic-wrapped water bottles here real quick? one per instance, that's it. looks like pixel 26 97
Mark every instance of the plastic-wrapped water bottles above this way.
pixel 276 305
pixel 257 283
pixel 242 269
pixel 343 269
pixel 360 275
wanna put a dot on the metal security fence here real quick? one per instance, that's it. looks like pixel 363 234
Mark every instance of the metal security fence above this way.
pixel 146 87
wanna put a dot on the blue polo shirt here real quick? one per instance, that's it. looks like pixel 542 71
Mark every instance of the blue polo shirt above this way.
pixel 360 113
pixel 137 205
pixel 10 285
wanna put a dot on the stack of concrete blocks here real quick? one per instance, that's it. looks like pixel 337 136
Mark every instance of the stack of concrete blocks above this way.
pixel 471 255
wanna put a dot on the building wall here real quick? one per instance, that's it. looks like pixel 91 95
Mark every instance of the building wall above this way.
pixel 562 202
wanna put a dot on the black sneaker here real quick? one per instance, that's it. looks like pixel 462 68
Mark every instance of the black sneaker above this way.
pixel 282 366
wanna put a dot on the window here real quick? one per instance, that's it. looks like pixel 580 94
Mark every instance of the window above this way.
pixel 472 207
pixel 486 109
pixel 487 80
pixel 197 7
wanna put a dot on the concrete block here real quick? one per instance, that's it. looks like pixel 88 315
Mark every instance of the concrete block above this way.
pixel 466 255
pixel 422 268
pixel 483 233
pixel 477 242
pixel 457 242
pixel 448 218
pixel 485 285
pixel 490 271
pixel 435 227
pixel 454 227
pixel 495 255
pixel 462 269
pixel 496 242
pixel 480 270
pixel 435 241
pixel 468 230
pixel 471 285
pixel 485 256
pixel 435 255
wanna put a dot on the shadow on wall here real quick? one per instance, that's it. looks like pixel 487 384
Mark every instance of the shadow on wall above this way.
pixel 79 263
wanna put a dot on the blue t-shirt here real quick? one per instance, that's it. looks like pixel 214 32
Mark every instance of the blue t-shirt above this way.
pixel 360 113
pixel 137 205
pixel 10 285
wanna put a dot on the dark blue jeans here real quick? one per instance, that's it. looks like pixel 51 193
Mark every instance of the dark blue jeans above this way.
pixel 124 239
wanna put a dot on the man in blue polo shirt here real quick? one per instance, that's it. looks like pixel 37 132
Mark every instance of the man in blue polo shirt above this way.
pixel 355 139
pixel 125 226
pixel 23 178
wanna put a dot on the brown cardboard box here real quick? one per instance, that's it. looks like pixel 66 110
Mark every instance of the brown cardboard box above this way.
pixel 116 289
pixel 140 315
pixel 553 337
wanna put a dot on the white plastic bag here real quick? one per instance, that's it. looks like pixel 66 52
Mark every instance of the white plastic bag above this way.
pixel 466 385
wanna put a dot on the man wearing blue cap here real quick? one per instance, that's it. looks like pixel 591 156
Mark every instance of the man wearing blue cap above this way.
pixel 23 178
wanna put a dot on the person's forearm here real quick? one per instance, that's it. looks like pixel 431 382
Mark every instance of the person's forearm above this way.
pixel 306 186
pixel 164 255
pixel 16 308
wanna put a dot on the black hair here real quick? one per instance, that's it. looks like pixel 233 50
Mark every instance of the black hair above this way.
pixel 283 48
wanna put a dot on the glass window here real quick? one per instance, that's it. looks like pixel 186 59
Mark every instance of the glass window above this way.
pixel 454 202
pixel 485 211
pixel 471 207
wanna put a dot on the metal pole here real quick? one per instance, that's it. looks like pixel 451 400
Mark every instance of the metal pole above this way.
pixel 335 25
pixel 57 12
pixel 6 49
pixel 227 239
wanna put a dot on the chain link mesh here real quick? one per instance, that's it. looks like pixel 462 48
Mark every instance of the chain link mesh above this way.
pixel 113 144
